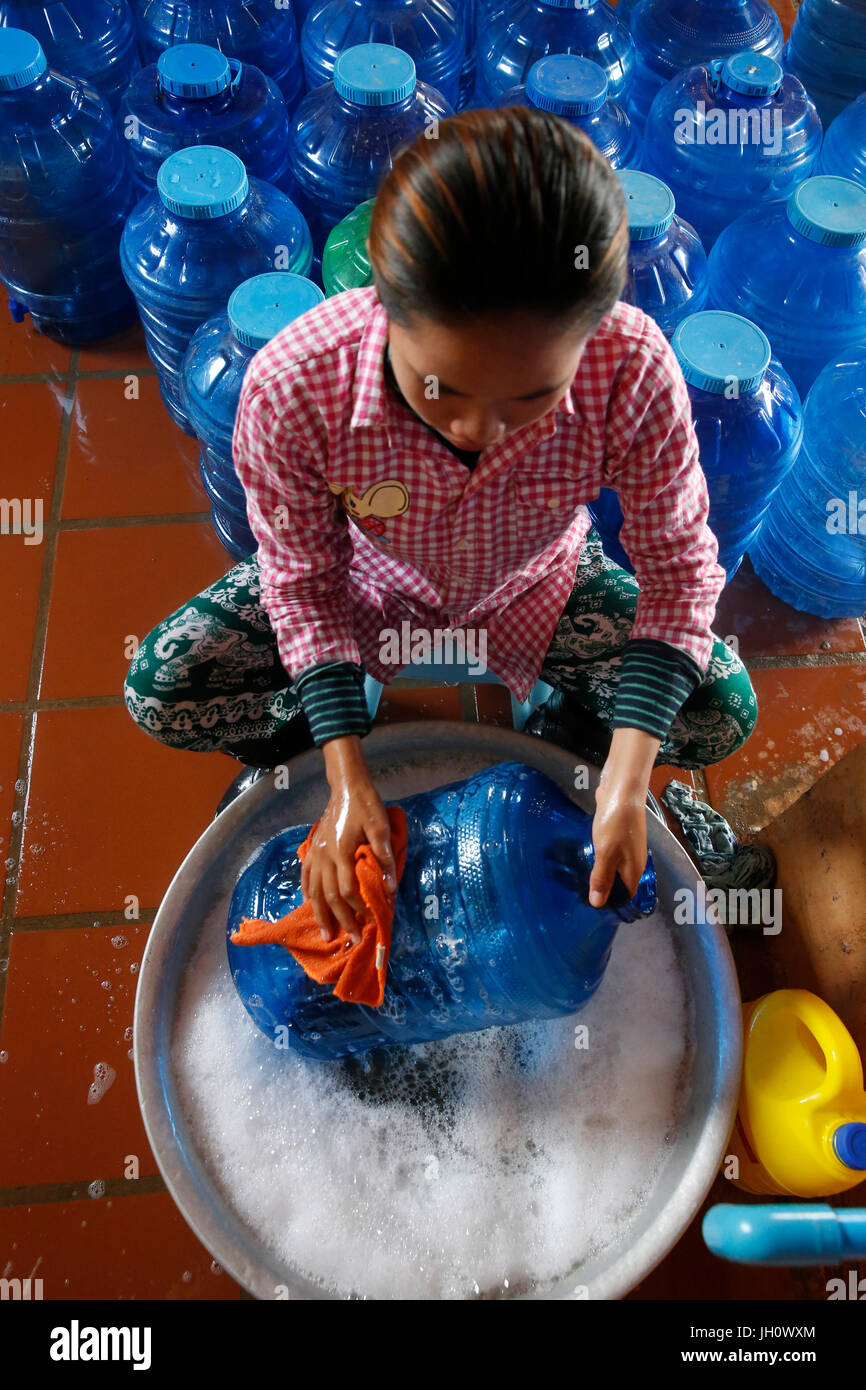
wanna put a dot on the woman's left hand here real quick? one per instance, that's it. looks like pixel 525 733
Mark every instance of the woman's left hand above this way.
pixel 619 825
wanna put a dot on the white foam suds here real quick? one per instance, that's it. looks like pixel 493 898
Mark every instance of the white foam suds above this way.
pixel 533 1154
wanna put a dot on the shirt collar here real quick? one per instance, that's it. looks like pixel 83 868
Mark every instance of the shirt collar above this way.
pixel 372 398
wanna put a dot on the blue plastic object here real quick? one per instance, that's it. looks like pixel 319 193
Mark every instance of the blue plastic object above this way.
pixel 667 265
pixel 849 1141
pixel 492 923
pixel 522 32
pixel 187 245
pixel 786 1233
pixel 259 32
pixel 195 95
pixel 64 196
pixel 576 89
pixel 93 40
pixel 749 428
pixel 213 372
pixel 730 136
pixel 844 149
pixel 346 133
pixel 673 34
pixel 811 550
pixel 826 49
pixel 799 272
pixel 430 31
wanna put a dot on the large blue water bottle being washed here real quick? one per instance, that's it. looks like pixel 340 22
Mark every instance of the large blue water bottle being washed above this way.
pixel 844 149
pixel 517 36
pixel 94 40
pixel 65 192
pixel 430 31
pixel 748 424
pixel 799 272
pixel 213 373
pixel 673 34
pixel 729 136
pixel 195 95
pixel 346 133
pixel 504 859
pixel 667 266
pixel 576 89
pixel 260 32
pixel 811 549
pixel 186 246
pixel 826 49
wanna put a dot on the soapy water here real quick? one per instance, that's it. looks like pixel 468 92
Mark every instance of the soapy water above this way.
pixel 489 1164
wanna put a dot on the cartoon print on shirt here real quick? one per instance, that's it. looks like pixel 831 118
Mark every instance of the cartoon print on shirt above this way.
pixel 385 499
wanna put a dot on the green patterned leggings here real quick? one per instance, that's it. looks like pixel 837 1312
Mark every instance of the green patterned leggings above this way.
pixel 210 677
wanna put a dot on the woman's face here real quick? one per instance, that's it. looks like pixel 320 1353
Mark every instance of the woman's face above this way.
pixel 477 384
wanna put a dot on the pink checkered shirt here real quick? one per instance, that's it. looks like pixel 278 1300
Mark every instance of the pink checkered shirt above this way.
pixel 364 519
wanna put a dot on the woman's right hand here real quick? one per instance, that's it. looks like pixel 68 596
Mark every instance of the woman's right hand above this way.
pixel 353 816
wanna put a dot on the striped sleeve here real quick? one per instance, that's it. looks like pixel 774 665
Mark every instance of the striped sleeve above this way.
pixel 334 700
pixel 655 681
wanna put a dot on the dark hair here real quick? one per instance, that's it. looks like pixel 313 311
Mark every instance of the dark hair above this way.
pixel 488 217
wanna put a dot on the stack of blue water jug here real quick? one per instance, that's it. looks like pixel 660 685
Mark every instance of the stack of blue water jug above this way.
pixel 207 135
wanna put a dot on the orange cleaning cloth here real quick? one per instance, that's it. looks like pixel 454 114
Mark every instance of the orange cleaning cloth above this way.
pixel 357 972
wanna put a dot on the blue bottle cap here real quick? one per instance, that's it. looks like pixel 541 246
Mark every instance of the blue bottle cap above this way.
pixel 374 74
pixel 849 1142
pixel 830 210
pixel 716 349
pixel 264 304
pixel 193 70
pixel 753 74
pixel 566 84
pixel 21 59
pixel 650 204
pixel 202 181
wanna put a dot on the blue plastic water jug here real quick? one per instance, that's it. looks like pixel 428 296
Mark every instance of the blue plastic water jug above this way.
pixel 206 228
pixel 729 136
pixel 428 30
pixel 799 272
pixel 94 40
pixel 518 35
pixel 826 49
pixel 345 134
pixel 213 372
pixel 749 426
pixel 673 34
pixel 195 95
pixel 576 89
pixel 467 13
pixel 259 32
pixel 844 149
pixel 64 195
pixel 811 550
pixel 492 923
pixel 667 266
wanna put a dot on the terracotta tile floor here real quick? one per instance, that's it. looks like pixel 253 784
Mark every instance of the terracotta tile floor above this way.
pixel 95 815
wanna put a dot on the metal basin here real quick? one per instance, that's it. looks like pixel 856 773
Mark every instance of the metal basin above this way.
pixel 404 759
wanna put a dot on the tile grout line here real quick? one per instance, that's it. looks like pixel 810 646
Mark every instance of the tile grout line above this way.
pixel 96 920
pixel 40 1194
pixel 37 655
pixel 104 523
pixel 54 377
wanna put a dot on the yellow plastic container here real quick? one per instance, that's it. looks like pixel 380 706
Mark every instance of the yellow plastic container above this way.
pixel 802 1103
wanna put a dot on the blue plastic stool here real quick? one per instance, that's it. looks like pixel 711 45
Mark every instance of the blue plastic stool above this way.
pixel 443 673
